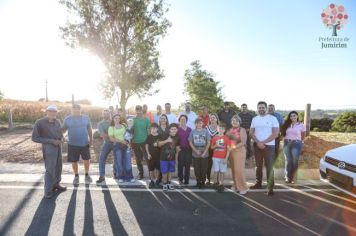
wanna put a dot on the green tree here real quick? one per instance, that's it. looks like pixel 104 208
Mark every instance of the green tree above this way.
pixel 124 34
pixel 346 122
pixel 202 89
pixel 1 95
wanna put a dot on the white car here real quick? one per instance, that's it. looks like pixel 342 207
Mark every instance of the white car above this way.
pixel 338 168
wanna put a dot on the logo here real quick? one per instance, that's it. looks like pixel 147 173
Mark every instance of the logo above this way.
pixel 341 165
pixel 334 17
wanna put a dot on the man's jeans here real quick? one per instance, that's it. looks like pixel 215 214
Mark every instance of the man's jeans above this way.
pixel 291 150
pixel 104 153
pixel 265 155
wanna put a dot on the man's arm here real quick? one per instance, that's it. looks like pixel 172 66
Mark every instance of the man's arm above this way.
pixel 36 137
pixel 273 136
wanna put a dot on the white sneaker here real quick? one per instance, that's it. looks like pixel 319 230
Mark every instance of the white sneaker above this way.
pixel 132 180
pixel 170 187
pixel 165 187
pixel 121 180
pixel 233 188
pixel 243 192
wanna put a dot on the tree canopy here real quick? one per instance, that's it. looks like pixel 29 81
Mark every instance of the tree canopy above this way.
pixel 124 34
pixel 202 89
pixel 346 122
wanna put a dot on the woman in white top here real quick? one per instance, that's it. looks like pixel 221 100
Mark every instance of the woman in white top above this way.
pixel 212 128
pixel 293 132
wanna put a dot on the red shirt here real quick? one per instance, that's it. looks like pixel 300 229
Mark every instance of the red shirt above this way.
pixel 221 146
pixel 205 120
pixel 236 133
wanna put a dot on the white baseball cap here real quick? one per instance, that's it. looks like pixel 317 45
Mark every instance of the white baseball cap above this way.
pixel 52 108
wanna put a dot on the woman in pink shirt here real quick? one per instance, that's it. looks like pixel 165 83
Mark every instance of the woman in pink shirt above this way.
pixel 293 132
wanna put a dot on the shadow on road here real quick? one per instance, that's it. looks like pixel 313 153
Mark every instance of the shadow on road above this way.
pixel 88 213
pixel 7 225
pixel 115 222
pixel 42 219
pixel 69 222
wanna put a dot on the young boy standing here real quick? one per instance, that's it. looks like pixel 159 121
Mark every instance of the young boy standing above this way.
pixel 221 152
pixel 199 141
pixel 153 154
pixel 169 144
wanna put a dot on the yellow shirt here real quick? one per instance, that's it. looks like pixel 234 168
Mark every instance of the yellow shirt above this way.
pixel 118 133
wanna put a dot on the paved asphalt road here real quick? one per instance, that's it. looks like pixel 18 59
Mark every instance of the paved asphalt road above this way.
pixel 304 209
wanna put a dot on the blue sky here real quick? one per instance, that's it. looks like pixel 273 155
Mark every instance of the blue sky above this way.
pixel 258 50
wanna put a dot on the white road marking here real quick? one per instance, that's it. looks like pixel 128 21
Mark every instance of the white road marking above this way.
pixel 302 191
pixel 328 218
pixel 276 213
pixel 330 194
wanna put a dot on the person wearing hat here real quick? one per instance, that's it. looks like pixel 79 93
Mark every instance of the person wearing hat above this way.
pixel 48 132
pixel 80 138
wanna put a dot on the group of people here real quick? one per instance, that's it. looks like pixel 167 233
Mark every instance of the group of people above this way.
pixel 166 141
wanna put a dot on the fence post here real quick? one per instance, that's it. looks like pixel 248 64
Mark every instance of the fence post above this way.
pixel 9 116
pixel 307 119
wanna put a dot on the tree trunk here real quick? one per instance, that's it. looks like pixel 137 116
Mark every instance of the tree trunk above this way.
pixel 335 29
pixel 123 101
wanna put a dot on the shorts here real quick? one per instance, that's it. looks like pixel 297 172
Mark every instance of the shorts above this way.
pixel 154 164
pixel 168 166
pixel 74 152
pixel 219 165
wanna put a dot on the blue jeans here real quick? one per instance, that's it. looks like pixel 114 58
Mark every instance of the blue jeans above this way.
pixel 291 150
pixel 265 155
pixel 104 153
pixel 123 164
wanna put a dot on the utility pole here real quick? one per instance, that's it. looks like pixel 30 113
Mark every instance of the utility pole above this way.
pixel 307 119
pixel 46 92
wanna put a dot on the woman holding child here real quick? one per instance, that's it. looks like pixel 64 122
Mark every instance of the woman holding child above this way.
pixel 122 153
pixel 238 138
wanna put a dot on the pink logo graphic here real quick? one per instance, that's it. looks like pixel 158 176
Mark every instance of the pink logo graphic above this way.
pixel 334 17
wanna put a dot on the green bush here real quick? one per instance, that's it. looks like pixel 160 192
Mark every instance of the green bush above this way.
pixel 323 124
pixel 346 122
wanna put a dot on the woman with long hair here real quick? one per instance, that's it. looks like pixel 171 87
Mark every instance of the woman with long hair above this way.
pixel 238 138
pixel 293 132
pixel 212 128
pixel 122 152
pixel 163 125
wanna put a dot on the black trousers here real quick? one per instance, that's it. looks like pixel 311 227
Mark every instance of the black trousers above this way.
pixel 184 162
pixel 265 155
pixel 210 164
pixel 140 153
pixel 200 168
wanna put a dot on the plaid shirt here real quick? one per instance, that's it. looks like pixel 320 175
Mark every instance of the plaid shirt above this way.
pixel 246 119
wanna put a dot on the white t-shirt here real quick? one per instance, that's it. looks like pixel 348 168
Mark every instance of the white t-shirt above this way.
pixel 191 118
pixel 172 118
pixel 263 127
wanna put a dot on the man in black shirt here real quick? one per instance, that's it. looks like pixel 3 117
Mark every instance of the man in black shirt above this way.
pixel 226 114
pixel 246 119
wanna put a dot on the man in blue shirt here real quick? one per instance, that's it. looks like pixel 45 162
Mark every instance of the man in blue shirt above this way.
pixel 80 138
pixel 272 111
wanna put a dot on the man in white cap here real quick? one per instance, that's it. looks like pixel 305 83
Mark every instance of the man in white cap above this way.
pixel 48 132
